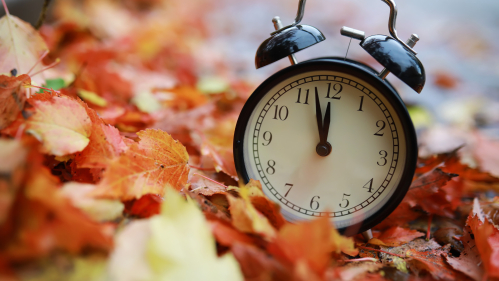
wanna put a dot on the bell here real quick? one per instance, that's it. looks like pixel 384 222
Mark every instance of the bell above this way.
pixel 397 59
pixel 287 42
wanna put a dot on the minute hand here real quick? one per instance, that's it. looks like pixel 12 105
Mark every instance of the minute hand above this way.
pixel 318 114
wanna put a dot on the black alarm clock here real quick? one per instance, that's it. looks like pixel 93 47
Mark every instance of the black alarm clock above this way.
pixel 330 136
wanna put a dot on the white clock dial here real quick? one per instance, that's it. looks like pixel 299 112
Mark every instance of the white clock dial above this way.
pixel 367 158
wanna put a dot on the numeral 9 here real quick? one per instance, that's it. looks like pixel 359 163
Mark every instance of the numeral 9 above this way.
pixel 267 136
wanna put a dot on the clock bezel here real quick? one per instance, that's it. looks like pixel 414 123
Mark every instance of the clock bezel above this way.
pixel 365 73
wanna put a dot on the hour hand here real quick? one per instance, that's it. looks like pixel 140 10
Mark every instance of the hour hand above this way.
pixel 324 147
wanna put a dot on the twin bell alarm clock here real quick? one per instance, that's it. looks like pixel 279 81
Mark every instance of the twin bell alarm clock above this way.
pixel 330 136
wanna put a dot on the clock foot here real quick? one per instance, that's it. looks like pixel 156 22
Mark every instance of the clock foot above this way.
pixel 367 234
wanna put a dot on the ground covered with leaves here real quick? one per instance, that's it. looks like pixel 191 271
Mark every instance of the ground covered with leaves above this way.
pixel 116 164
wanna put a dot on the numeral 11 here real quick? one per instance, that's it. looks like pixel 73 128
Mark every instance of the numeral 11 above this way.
pixel 299 97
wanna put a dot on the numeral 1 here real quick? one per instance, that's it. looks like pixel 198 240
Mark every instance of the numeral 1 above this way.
pixel 299 96
pixel 361 103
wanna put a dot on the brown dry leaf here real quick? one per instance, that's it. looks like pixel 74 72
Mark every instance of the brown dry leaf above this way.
pixel 469 261
pixel 433 262
pixel 12 97
pixel 149 166
pixel 60 123
pixel 395 236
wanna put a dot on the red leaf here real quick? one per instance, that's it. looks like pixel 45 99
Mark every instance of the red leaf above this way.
pixel 144 207
pixel 395 236
pixel 12 97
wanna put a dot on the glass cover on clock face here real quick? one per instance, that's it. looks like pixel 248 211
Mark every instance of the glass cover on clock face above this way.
pixel 366 159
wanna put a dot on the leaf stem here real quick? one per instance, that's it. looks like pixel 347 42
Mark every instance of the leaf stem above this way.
pixel 430 218
pixel 214 181
pixel 381 251
pixel 201 168
pixel 43 14
pixel 5 8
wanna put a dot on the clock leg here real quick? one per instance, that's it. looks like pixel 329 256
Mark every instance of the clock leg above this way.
pixel 367 235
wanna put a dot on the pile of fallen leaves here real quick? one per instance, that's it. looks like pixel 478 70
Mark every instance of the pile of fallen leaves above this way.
pixel 116 164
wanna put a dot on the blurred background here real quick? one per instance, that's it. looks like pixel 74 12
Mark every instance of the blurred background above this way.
pixel 458 47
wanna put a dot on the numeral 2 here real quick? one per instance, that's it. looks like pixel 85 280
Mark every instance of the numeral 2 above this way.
pixel 380 123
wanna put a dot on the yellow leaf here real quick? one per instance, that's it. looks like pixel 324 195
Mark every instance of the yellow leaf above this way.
pixel 92 97
pixel 60 123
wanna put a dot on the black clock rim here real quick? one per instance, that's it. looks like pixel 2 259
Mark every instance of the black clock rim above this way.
pixel 365 73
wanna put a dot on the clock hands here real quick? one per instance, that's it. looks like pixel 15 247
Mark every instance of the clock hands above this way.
pixel 324 147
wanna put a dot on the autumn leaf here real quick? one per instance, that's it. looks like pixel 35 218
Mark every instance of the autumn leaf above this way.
pixel 395 236
pixel 97 209
pixel 60 123
pixel 12 97
pixel 217 143
pixel 469 261
pixel 486 239
pixel 22 46
pixel 12 168
pixel 310 242
pixel 433 262
pixel 43 221
pixel 105 144
pixel 144 207
pixel 157 161
pixel 268 208
pixel 247 219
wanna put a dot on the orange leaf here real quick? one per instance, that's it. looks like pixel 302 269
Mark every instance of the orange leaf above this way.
pixel 310 242
pixel 60 123
pixel 396 236
pixel 12 98
pixel 43 220
pixel 149 166
pixel 257 265
pixel 144 207
pixel 217 143
pixel 105 144
pixel 486 239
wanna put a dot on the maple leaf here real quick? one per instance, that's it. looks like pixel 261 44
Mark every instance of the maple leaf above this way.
pixel 60 123
pixel 149 166
pixel 144 207
pixel 12 97
pixel 22 46
pixel 395 236
pixel 486 239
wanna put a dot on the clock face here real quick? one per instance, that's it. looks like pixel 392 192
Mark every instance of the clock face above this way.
pixel 368 152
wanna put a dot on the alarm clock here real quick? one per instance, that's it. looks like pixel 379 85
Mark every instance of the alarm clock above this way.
pixel 330 137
